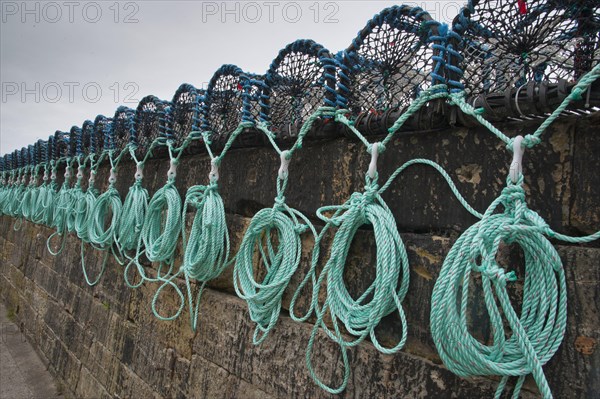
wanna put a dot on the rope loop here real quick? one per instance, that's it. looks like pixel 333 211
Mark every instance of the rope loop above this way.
pixel 162 224
pixel 276 234
pixel 359 316
pixel 535 334
pixel 206 251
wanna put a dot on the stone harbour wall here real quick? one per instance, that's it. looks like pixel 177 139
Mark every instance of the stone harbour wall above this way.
pixel 104 342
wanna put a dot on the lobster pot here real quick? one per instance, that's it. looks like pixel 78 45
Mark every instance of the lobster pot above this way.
pixel 150 120
pixel 87 133
pixel 61 145
pixel 228 103
pixel 520 59
pixel 25 158
pixel 186 113
pixel 102 137
pixel 394 58
pixel 17 159
pixel 39 151
pixel 9 162
pixel 74 141
pixel 123 128
pixel 51 148
pixel 299 81
pixel 31 150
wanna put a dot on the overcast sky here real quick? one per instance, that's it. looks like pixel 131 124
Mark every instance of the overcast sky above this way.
pixel 66 61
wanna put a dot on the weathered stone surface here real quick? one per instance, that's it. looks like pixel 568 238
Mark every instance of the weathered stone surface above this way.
pixel 104 341
pixel 557 175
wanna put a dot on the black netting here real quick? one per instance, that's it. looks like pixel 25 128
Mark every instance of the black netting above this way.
pixel 17 159
pixel 507 44
pixel 74 138
pixel 41 153
pixel 50 148
pixel 102 137
pixel 149 122
pixel 33 159
pixel 25 156
pixel 390 61
pixel 61 144
pixel 13 160
pixel 225 104
pixel 87 132
pixel 123 130
pixel 300 80
pixel 185 112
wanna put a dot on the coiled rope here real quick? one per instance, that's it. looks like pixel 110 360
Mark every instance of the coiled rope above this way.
pixel 103 219
pixel 537 332
pixel 206 250
pixel 277 233
pixel 62 208
pixel 30 194
pixel 135 206
pixel 81 207
pixel 160 239
pixel 38 210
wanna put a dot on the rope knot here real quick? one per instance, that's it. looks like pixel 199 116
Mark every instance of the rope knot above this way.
pixel 370 193
pixel 530 141
pixel 513 195
pixel 279 203
pixel 300 228
pixel 497 273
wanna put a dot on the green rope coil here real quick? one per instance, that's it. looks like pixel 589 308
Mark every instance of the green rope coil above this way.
pixel 80 211
pixel 205 251
pixel 282 225
pixel 384 296
pixel 102 225
pixel 535 334
pixel 83 209
pixel 61 211
pixel 160 239
pixel 132 217
pixel 38 211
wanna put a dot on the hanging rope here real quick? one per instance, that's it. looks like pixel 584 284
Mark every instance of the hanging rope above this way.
pixel 104 218
pixel 61 211
pixel 160 239
pixel 206 250
pixel 276 232
pixel 536 334
pixel 129 236
pixel 38 211
pixel 385 294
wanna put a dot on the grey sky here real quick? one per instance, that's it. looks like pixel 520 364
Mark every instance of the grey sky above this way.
pixel 66 61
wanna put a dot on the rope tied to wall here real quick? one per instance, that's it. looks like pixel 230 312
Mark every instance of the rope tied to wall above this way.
pixel 30 194
pixel 162 223
pixel 81 202
pixel 206 250
pixel 62 209
pixel 135 207
pixel 104 217
pixel 385 294
pixel 38 210
pixel 277 234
